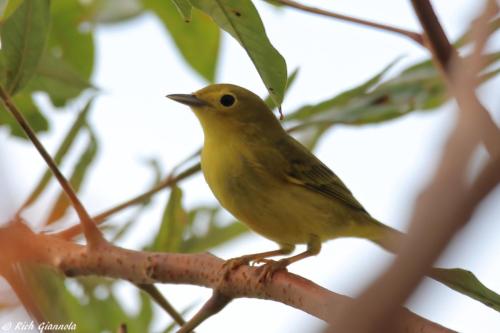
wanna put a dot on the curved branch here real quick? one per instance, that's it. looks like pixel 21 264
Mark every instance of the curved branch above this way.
pixel 19 243
pixel 93 235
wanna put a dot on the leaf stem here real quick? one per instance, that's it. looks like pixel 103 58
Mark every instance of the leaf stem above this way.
pixel 415 36
pixel 93 235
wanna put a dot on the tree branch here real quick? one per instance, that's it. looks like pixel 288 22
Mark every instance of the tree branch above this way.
pixel 93 235
pixel 416 37
pixel 19 244
pixel 444 56
pixel 442 208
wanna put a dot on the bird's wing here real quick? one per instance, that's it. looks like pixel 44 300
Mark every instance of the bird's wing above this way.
pixel 305 169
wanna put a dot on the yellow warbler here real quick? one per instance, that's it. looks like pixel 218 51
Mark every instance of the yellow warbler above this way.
pixel 272 183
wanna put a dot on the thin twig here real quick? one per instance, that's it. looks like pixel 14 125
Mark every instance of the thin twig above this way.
pixel 75 230
pixel 155 294
pixel 416 37
pixel 444 56
pixel 215 303
pixel 93 235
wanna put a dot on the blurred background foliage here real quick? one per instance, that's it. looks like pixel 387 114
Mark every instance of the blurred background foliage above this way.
pixel 48 47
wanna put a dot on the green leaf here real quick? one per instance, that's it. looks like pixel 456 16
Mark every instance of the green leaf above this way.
pixel 173 223
pixel 466 283
pixel 30 111
pixel 198 41
pixel 341 100
pixel 155 166
pixel 60 80
pixel 53 300
pixel 275 4
pixel 76 179
pixel 242 21
pixel 418 87
pixel 112 11
pixel 70 39
pixel 97 310
pixel 216 233
pixel 61 152
pixel 184 8
pixel 317 119
pixel 9 7
pixel 23 42
pixel 291 79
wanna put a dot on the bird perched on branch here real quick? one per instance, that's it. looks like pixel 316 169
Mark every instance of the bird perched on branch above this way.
pixel 272 183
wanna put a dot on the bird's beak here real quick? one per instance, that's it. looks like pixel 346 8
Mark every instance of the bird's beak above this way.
pixel 190 100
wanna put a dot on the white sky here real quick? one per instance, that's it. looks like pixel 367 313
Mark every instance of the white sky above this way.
pixel 384 165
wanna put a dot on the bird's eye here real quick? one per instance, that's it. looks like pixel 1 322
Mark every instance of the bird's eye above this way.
pixel 227 100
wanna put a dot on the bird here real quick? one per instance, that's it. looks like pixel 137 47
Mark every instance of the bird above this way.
pixel 269 181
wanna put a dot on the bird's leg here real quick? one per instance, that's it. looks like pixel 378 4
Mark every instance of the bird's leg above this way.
pixel 232 264
pixel 313 248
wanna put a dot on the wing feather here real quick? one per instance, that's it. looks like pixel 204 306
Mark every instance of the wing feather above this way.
pixel 305 169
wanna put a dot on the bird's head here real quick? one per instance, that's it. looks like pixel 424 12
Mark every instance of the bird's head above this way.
pixel 225 109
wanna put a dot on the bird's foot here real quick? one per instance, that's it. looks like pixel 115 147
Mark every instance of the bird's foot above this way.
pixel 270 267
pixel 232 264
pixel 261 261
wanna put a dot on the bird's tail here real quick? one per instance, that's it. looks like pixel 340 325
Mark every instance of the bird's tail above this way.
pixel 385 236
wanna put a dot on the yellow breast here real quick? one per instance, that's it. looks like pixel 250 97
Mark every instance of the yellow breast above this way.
pixel 271 207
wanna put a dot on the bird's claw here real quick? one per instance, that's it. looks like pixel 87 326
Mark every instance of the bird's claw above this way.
pixel 267 270
pixel 261 261
pixel 271 267
pixel 231 264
